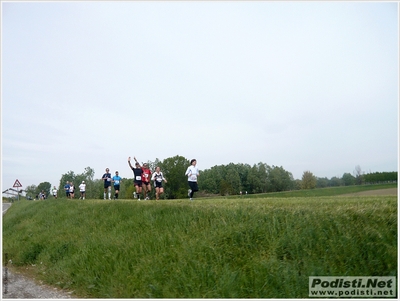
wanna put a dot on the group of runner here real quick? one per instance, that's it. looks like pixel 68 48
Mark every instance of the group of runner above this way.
pixel 141 179
pixel 142 176
pixel 70 190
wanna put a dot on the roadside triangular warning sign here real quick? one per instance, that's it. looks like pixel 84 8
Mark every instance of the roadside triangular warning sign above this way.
pixel 17 183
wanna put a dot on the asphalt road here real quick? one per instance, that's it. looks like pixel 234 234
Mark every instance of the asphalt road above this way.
pixel 5 207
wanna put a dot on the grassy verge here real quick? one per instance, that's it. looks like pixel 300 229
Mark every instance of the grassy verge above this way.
pixel 210 248
pixel 319 192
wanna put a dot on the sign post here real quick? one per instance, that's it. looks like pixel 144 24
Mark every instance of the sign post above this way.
pixel 17 185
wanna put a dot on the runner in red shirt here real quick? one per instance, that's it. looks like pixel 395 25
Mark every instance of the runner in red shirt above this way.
pixel 146 176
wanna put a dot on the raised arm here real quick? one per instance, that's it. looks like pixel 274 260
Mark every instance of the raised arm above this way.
pixel 129 162
pixel 134 158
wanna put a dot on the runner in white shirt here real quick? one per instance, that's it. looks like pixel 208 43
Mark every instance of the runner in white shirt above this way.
pixel 82 190
pixel 158 178
pixel 192 172
pixel 71 190
pixel 55 192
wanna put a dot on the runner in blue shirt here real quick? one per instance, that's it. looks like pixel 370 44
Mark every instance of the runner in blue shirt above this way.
pixel 117 181
pixel 66 188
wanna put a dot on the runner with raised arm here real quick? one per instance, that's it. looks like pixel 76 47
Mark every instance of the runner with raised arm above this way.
pixel 137 178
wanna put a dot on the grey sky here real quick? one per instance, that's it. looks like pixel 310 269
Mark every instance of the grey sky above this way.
pixel 303 85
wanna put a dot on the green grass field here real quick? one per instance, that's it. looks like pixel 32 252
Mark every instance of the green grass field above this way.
pixel 328 191
pixel 210 248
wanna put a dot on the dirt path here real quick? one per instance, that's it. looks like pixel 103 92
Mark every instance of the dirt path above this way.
pixel 17 286
pixel 388 191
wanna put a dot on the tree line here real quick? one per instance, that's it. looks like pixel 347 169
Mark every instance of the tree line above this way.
pixel 230 179
pixel 381 177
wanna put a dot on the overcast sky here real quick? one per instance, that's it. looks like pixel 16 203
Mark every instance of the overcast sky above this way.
pixel 303 85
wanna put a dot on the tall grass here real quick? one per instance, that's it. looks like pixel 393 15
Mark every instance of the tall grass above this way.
pixel 235 248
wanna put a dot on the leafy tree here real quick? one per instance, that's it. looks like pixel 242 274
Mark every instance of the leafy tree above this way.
pixel 208 183
pixel 174 169
pixel 297 184
pixel 98 189
pixel 34 190
pixel 225 188
pixel 87 176
pixel 68 177
pixel 279 179
pixel 152 165
pixel 243 170
pixel 335 181
pixel 233 179
pixel 322 182
pixel 45 187
pixel 89 173
pixel 31 191
pixel 380 177
pixel 358 175
pixel 211 179
pixel 254 180
pixel 308 181
pixel 348 179
pixel 263 176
